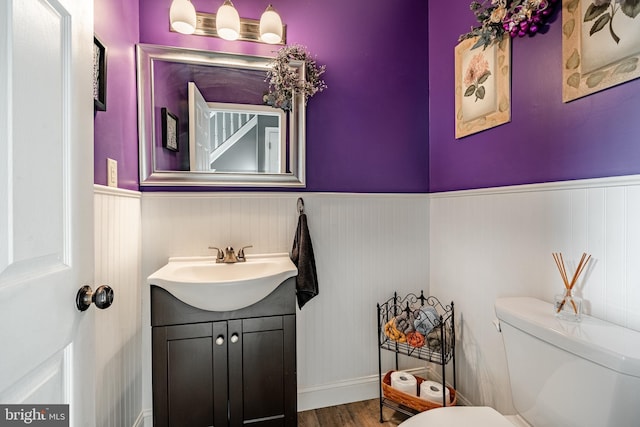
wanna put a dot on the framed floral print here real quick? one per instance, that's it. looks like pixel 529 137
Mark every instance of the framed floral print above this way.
pixel 600 45
pixel 482 86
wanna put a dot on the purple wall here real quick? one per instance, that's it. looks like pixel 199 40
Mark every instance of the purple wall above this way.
pixel 372 130
pixel 368 132
pixel 175 99
pixel 546 140
pixel 116 130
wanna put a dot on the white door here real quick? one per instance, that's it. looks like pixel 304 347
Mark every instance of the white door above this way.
pixel 272 150
pixel 46 204
pixel 199 130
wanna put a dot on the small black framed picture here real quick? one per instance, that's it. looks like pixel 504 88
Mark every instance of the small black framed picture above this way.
pixel 99 75
pixel 169 130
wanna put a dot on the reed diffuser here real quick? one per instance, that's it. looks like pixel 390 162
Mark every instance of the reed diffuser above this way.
pixel 567 305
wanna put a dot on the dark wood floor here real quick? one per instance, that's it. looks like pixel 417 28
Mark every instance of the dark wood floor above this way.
pixel 357 414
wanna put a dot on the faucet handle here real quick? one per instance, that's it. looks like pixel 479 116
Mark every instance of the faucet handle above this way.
pixel 220 254
pixel 241 252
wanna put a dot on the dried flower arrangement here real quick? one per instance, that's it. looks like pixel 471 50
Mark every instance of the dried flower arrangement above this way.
pixel 513 17
pixel 283 80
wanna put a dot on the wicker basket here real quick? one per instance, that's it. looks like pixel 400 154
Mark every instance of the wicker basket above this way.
pixel 413 402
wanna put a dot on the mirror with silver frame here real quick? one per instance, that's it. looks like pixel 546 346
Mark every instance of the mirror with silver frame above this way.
pixel 226 136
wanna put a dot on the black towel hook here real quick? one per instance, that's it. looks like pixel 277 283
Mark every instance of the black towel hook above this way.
pixel 300 206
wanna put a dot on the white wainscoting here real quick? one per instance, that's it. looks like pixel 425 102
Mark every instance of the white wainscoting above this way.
pixel 366 246
pixel 118 329
pixel 498 242
pixel 472 247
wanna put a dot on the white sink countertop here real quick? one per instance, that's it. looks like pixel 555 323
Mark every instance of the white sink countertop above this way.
pixel 205 284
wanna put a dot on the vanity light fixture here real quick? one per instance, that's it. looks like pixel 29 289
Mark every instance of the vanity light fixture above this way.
pixel 270 26
pixel 227 24
pixel 182 16
pixel 228 21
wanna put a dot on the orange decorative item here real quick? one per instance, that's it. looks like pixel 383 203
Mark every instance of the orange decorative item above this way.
pixel 393 333
pixel 415 339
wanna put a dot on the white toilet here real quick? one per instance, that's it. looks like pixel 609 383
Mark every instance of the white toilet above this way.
pixel 562 374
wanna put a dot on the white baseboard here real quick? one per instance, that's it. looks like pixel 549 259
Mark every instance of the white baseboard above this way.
pixel 341 392
pixel 145 419
pixel 337 393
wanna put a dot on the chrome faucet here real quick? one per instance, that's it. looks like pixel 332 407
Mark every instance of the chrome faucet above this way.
pixel 241 256
pixel 229 256
pixel 219 254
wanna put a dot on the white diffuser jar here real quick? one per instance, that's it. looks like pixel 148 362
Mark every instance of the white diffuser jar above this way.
pixel 568 306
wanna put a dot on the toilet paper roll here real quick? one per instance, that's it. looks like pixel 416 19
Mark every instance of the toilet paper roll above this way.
pixel 432 391
pixel 404 382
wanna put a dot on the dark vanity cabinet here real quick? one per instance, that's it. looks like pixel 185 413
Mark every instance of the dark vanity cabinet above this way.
pixel 224 368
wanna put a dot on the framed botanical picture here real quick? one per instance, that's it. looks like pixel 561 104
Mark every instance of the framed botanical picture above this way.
pixel 600 45
pixel 169 130
pixel 99 75
pixel 482 86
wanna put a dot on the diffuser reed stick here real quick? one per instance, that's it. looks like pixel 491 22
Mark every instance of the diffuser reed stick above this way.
pixel 584 260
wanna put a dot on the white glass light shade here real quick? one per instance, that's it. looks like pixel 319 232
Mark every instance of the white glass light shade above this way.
pixel 228 21
pixel 182 16
pixel 270 26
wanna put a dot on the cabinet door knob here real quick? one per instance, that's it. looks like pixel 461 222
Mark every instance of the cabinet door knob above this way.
pixel 220 340
pixel 234 338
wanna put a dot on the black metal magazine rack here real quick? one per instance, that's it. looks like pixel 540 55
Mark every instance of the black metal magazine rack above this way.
pixel 436 346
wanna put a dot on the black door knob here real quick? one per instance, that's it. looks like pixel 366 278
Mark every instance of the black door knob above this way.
pixel 102 297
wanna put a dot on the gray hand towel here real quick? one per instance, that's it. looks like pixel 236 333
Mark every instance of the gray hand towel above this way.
pixel 427 318
pixel 302 257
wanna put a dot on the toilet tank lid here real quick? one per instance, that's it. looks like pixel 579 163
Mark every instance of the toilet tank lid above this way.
pixel 601 342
